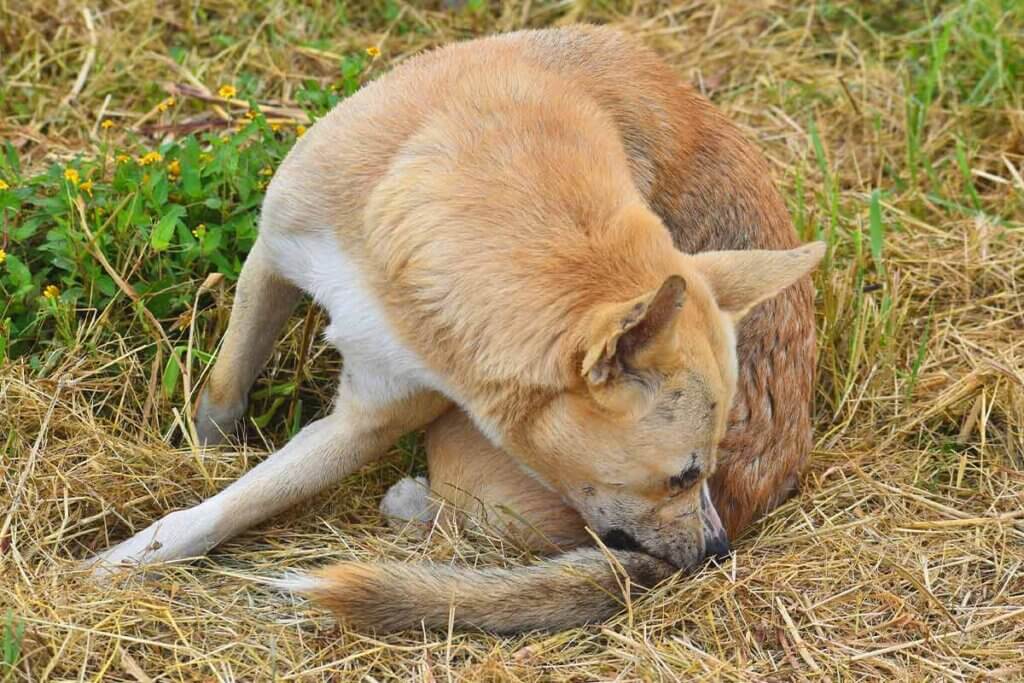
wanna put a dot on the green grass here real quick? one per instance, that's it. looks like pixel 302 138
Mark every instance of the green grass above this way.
pixel 10 644
pixel 162 228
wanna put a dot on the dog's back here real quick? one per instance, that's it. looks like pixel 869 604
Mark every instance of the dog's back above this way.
pixel 711 187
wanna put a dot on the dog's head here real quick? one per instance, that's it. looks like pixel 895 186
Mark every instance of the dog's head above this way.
pixel 632 441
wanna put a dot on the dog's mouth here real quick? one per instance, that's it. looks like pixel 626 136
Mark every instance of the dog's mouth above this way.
pixel 619 539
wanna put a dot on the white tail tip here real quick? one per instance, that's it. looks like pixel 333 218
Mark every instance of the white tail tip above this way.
pixel 296 582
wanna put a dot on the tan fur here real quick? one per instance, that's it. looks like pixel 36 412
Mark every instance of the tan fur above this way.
pixel 579 587
pixel 479 483
pixel 713 190
pixel 267 300
pixel 523 212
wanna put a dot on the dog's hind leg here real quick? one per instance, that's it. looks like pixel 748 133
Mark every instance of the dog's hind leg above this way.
pixel 321 454
pixel 473 481
pixel 263 302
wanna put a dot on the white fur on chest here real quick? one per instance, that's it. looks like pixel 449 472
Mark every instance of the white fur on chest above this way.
pixel 378 367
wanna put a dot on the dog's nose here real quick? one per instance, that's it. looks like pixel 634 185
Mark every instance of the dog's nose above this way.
pixel 717 548
pixel 716 541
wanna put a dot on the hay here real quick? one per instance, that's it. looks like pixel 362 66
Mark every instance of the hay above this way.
pixel 903 556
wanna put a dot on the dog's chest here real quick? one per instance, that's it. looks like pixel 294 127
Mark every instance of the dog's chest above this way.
pixel 377 365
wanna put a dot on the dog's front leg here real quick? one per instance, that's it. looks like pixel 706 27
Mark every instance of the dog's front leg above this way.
pixel 321 454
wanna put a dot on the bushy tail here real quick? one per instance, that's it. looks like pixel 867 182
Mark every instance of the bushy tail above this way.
pixel 569 590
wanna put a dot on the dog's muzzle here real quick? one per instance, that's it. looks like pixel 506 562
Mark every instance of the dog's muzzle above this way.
pixel 716 541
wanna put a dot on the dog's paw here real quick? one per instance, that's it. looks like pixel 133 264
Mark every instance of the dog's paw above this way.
pixel 214 423
pixel 177 536
pixel 408 501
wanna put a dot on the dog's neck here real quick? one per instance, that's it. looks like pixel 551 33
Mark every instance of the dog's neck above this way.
pixel 494 237
pixel 541 357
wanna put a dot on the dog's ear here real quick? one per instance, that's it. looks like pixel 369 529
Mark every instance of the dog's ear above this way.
pixel 740 280
pixel 634 334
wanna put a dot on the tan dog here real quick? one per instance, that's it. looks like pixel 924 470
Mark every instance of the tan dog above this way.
pixel 490 227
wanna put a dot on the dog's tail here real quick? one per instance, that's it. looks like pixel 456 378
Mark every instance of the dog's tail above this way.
pixel 569 590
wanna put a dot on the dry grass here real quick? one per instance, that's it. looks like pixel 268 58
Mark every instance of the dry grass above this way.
pixel 902 558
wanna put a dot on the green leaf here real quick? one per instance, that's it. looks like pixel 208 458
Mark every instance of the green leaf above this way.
pixel 13 633
pixel 244 184
pixel 26 229
pixel 11 155
pixel 172 373
pixel 263 420
pixel 106 285
pixel 819 148
pixel 9 200
pixel 178 54
pixel 190 169
pixel 876 229
pixel 20 275
pixel 164 230
pixel 296 424
pixel 158 189
pixel 212 241
pixel 279 389
pixel 922 350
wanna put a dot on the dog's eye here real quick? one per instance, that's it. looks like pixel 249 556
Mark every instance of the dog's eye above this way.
pixel 685 479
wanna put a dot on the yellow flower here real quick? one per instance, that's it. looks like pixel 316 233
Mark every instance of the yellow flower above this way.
pixel 300 130
pixel 107 124
pixel 200 231
pixel 227 91
pixel 150 158
pixel 71 175
pixel 123 158
pixel 275 127
pixel 86 187
pixel 166 104
pixel 4 186
pixel 174 168
pixel 183 321
pixel 373 51
pixel 3 255
pixel 266 170
pixel 51 292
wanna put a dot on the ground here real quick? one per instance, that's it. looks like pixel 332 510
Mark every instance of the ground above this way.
pixel 896 132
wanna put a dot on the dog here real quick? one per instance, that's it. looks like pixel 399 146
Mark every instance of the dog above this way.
pixel 566 265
